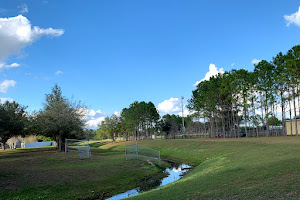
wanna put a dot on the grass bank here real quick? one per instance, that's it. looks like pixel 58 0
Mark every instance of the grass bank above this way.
pixel 246 168
pixel 42 173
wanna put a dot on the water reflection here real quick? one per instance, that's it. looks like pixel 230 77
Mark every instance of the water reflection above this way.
pixel 175 171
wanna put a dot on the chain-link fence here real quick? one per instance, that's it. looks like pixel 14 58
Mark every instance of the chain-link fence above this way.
pixel 81 147
pixel 139 152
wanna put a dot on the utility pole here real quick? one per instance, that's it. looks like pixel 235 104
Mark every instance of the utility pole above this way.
pixel 183 128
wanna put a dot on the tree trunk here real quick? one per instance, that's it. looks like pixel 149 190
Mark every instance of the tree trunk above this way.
pixel 295 111
pixel 262 117
pixel 238 127
pixel 223 125
pixel 267 116
pixel 136 134
pixel 283 114
pixel 291 116
pixel 238 123
pixel 2 146
pixel 245 118
pixel 59 143
pixel 204 127
pixel 272 121
pixel 298 101
pixel 233 120
pixel 217 128
pixel 255 128
pixel 211 127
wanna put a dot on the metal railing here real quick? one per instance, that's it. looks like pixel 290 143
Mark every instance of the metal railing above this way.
pixel 139 152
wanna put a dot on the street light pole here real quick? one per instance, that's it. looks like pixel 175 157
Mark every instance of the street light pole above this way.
pixel 183 128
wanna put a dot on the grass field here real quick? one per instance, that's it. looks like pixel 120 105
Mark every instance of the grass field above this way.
pixel 42 173
pixel 253 168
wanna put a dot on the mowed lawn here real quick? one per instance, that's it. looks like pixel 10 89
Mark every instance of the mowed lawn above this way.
pixel 245 168
pixel 43 173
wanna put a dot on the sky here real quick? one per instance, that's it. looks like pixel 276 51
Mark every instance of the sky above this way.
pixel 110 53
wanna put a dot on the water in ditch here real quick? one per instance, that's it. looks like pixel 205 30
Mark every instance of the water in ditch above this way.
pixel 175 171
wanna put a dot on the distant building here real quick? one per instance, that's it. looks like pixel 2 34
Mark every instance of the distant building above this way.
pixel 288 126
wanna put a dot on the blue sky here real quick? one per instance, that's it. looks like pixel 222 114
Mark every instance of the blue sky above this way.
pixel 111 53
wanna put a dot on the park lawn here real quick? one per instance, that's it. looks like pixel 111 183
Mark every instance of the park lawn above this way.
pixel 43 173
pixel 245 168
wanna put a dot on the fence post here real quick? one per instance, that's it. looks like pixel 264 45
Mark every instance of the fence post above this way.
pixel 66 146
pixel 137 151
pixel 159 158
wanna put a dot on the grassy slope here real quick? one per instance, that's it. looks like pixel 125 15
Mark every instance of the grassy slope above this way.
pixel 42 173
pixel 254 168
pixel 236 169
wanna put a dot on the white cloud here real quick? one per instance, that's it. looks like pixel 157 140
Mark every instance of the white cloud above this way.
pixel 117 113
pixel 59 72
pixel 2 100
pixel 93 117
pixel 17 33
pixel 6 84
pixel 24 8
pixel 169 106
pixel 5 66
pixel 92 113
pixel 186 112
pixel 232 64
pixel 213 70
pixel 293 18
pixel 255 61
pixel 95 122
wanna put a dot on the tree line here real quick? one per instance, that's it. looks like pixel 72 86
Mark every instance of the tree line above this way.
pixel 59 118
pixel 233 104
pixel 139 121
pixel 244 103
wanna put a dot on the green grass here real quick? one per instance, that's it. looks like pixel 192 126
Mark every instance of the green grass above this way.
pixel 254 168
pixel 43 173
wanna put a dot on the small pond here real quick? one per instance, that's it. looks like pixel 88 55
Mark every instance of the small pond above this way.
pixel 175 171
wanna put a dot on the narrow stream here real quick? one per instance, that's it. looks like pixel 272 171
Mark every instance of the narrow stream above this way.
pixel 175 172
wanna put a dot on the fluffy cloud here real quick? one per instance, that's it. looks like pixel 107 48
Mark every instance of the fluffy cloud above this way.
pixel 117 113
pixel 17 32
pixel 213 70
pixel 2 100
pixel 92 113
pixel 93 123
pixel 255 61
pixel 293 18
pixel 169 106
pixel 6 84
pixel 24 8
pixel 5 66
pixel 59 72
pixel 186 112
pixel 94 118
